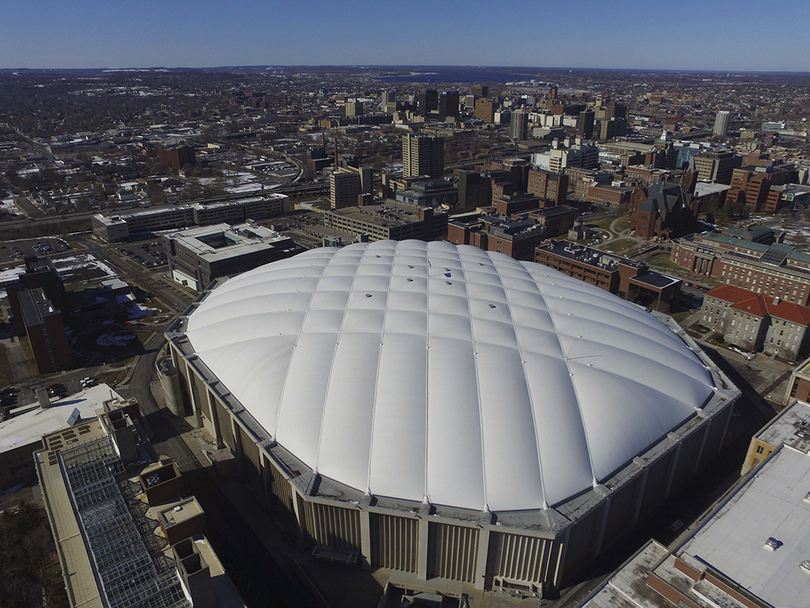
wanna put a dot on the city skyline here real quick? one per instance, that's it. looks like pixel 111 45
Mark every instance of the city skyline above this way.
pixel 715 37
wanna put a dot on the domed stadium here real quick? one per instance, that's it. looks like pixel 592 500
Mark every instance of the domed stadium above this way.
pixel 455 415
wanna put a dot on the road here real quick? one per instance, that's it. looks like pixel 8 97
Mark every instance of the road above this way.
pixel 155 282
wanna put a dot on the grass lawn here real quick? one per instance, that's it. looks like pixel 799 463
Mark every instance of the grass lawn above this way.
pixel 623 224
pixel 661 260
pixel 620 246
pixel 604 223
pixel 25 344
pixel 143 335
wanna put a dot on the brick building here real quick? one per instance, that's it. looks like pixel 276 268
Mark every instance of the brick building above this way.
pixel 516 235
pixel 485 110
pixel 752 185
pixel 45 328
pixel 474 190
pixel 552 188
pixel 509 204
pixel 608 194
pixel 628 279
pixel 775 270
pixel 754 322
pixel 663 210
pixel 177 157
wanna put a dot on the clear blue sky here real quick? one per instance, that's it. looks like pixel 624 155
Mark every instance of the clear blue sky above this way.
pixel 689 34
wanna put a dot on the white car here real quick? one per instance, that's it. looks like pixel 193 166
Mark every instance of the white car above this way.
pixel 88 382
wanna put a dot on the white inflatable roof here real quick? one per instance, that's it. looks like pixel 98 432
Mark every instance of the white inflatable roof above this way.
pixel 430 371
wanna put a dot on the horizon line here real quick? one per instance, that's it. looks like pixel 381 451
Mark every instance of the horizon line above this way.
pixel 411 66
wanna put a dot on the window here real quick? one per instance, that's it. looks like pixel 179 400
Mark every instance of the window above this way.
pixel 760 449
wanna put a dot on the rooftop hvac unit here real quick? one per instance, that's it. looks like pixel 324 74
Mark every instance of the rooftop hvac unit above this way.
pixel 805 565
pixel 807 497
pixel 516 587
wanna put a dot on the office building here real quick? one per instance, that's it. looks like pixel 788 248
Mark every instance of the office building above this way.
pixel 721 123
pixel 344 188
pixel 198 256
pixel 22 429
pixel 422 155
pixel 516 235
pixel 715 166
pixel 429 193
pixel 427 101
pixel 752 185
pixel 389 220
pixel 297 409
pixel 519 125
pixel 116 228
pixel 479 90
pixel 448 104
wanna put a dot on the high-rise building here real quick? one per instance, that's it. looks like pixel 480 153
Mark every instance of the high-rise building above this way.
pixel 481 90
pixel 45 329
pixel 388 97
pixel 715 167
pixel 485 110
pixel 474 190
pixel 585 124
pixel 427 101
pixel 520 124
pixel 422 155
pixel 344 188
pixel 354 108
pixel 448 104
pixel 721 123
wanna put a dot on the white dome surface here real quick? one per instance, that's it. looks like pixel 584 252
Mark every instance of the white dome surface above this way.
pixel 430 371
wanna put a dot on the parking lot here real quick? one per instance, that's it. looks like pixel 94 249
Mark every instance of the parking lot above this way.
pixel 149 254
pixel 11 251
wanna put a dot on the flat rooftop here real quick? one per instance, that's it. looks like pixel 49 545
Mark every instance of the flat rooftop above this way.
pixel 791 426
pixel 32 422
pixel 387 214
pixel 773 503
pixel 223 241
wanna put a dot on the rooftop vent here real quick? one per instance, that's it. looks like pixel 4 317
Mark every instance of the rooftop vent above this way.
pixel 807 497
pixel 805 565
pixel 772 544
